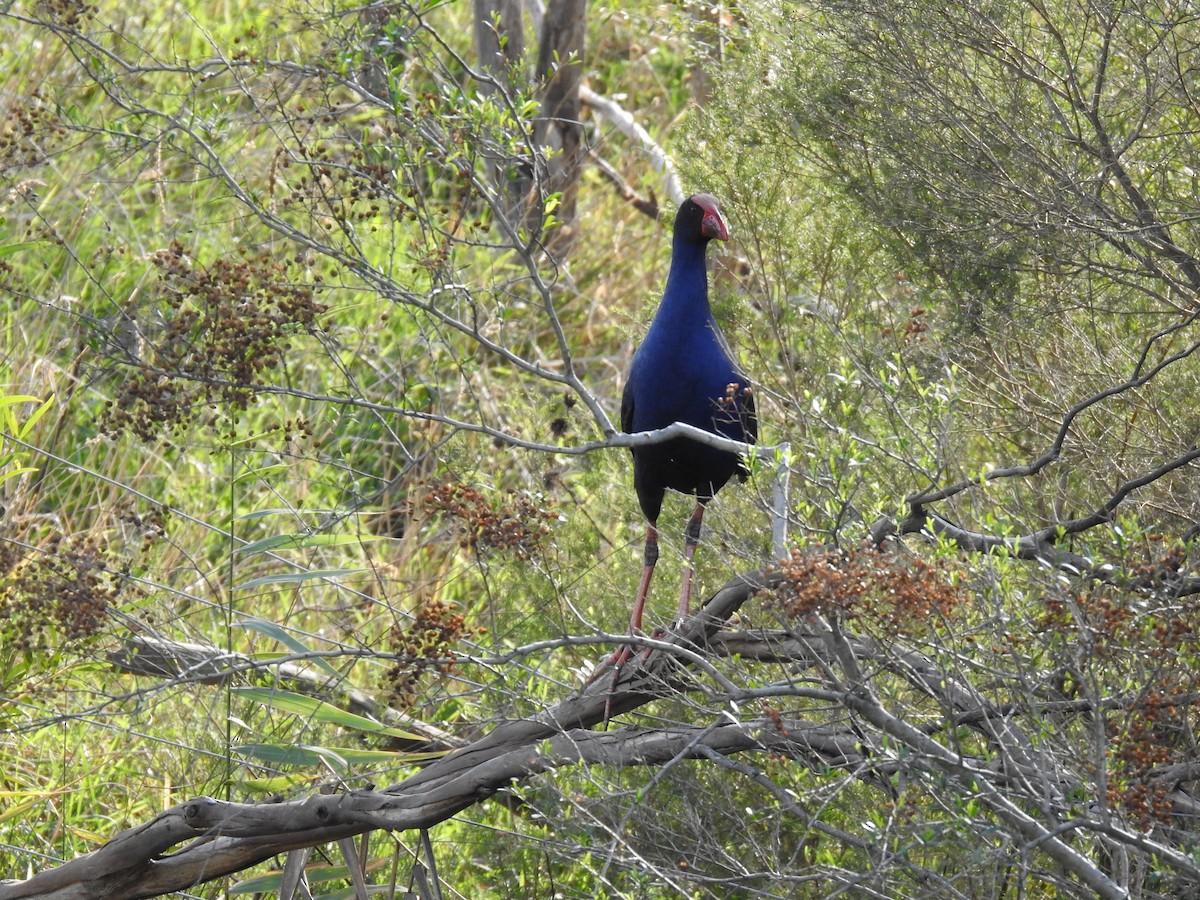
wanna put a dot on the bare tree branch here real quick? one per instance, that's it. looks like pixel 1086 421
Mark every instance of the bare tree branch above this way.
pixel 144 654
pixel 206 838
pixel 629 126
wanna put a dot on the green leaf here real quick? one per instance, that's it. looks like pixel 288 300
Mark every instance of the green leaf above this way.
pixel 20 809
pixel 307 756
pixel 300 541
pixel 316 874
pixel 13 399
pixel 17 247
pixel 15 472
pixel 320 711
pixel 289 640
pixel 33 417
pixel 285 511
pixel 297 577
pixel 260 472
pixel 275 784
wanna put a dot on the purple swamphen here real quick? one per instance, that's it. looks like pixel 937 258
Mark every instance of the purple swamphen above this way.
pixel 683 372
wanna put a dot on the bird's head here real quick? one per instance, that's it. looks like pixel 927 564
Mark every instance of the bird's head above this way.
pixel 699 219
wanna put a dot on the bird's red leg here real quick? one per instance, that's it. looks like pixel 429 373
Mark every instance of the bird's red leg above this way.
pixel 691 541
pixel 621 654
pixel 648 561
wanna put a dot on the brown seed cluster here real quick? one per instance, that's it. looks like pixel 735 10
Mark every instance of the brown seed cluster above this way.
pixel 865 584
pixel 426 645
pixel 915 327
pixel 10 556
pixel 1100 616
pixel 29 131
pixel 561 424
pixel 1160 572
pixel 65 592
pixel 734 405
pixel 518 525
pixel 1116 628
pixel 343 185
pixel 69 14
pixel 228 326
pixel 1152 644
pixel 152 525
pixel 1151 734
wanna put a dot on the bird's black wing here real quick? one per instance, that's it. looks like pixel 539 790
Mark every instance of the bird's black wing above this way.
pixel 627 407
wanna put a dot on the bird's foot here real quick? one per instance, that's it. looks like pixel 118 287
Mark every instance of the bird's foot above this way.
pixel 616 662
pixel 618 659
pixel 657 635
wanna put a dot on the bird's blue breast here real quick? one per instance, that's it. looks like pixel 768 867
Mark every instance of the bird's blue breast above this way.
pixel 682 375
pixel 682 372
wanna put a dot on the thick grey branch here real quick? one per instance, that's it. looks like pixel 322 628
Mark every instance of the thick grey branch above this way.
pixel 226 838
pixel 197 663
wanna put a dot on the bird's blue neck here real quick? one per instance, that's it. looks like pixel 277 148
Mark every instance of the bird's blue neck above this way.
pixel 685 299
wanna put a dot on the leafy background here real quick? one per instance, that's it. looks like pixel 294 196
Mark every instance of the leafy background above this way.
pixel 281 379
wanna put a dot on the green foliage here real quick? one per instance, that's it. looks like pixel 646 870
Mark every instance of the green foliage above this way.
pixel 16 429
pixel 265 311
pixel 305 358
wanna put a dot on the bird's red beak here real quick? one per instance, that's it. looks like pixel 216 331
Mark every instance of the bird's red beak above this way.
pixel 713 226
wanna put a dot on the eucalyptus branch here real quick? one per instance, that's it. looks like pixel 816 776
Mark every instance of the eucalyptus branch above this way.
pixel 1041 545
pixel 1052 453
pixel 632 129
pixel 981 783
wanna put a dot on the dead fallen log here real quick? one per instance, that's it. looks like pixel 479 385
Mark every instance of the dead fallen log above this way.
pixel 204 839
pixel 182 662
